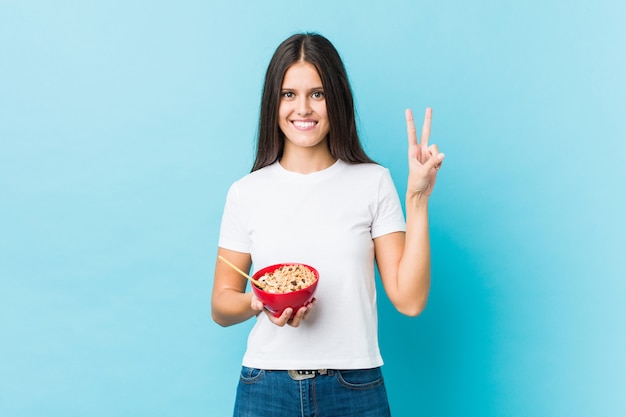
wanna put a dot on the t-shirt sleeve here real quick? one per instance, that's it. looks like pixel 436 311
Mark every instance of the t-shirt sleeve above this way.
pixel 389 216
pixel 233 232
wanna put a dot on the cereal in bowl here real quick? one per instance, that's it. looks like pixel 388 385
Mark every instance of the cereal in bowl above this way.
pixel 287 278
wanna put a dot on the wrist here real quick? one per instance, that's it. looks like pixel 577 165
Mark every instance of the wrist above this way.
pixel 417 200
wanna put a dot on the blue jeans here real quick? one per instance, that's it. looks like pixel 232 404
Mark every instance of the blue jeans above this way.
pixel 265 393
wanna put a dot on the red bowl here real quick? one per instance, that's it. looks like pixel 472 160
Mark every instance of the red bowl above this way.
pixel 276 303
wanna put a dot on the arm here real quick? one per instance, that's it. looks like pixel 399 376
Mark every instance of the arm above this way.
pixel 230 304
pixel 404 259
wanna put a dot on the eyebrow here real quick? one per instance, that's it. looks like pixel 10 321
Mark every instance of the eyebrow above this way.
pixel 311 89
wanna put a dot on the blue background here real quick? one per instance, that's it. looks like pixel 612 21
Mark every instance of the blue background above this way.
pixel 122 124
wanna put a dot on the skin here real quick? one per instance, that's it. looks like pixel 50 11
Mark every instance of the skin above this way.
pixel 403 259
pixel 303 119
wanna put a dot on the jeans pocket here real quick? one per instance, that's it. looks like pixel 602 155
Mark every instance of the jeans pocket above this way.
pixel 251 375
pixel 360 379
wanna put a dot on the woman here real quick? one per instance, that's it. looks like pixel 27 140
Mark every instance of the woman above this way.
pixel 315 197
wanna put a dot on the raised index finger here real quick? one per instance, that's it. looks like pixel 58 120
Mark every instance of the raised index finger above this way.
pixel 426 127
pixel 410 127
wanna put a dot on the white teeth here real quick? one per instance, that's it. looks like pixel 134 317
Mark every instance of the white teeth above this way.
pixel 304 125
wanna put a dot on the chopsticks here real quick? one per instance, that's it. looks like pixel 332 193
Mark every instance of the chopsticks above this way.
pixel 238 270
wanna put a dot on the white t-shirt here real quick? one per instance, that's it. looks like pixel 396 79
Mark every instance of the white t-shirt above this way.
pixel 326 219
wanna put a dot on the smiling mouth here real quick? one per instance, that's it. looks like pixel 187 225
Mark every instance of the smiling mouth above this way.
pixel 303 125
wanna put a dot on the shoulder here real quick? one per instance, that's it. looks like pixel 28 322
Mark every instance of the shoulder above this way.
pixel 364 166
pixel 254 178
pixel 367 170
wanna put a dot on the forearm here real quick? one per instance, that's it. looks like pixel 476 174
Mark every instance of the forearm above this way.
pixel 231 307
pixel 413 278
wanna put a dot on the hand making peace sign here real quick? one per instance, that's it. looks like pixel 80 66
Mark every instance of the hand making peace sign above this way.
pixel 424 160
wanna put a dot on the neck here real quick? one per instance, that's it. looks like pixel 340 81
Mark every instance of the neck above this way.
pixel 306 161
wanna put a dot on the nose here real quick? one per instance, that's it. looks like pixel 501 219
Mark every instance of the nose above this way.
pixel 303 107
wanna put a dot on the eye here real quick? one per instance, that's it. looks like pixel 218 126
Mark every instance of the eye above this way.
pixel 318 95
pixel 287 94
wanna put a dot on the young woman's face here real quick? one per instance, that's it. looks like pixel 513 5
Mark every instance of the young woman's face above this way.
pixel 302 113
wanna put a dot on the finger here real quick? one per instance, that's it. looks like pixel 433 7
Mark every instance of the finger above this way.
pixel 428 116
pixel 297 319
pixel 434 161
pixel 309 307
pixel 255 304
pixel 410 127
pixel 283 319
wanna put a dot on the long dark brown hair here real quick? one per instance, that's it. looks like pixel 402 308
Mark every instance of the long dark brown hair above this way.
pixel 343 138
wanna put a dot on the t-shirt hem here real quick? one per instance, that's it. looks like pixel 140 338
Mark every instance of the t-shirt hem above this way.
pixel 316 364
pixel 230 245
pixel 385 230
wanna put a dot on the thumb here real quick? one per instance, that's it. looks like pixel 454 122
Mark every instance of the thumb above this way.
pixel 255 304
